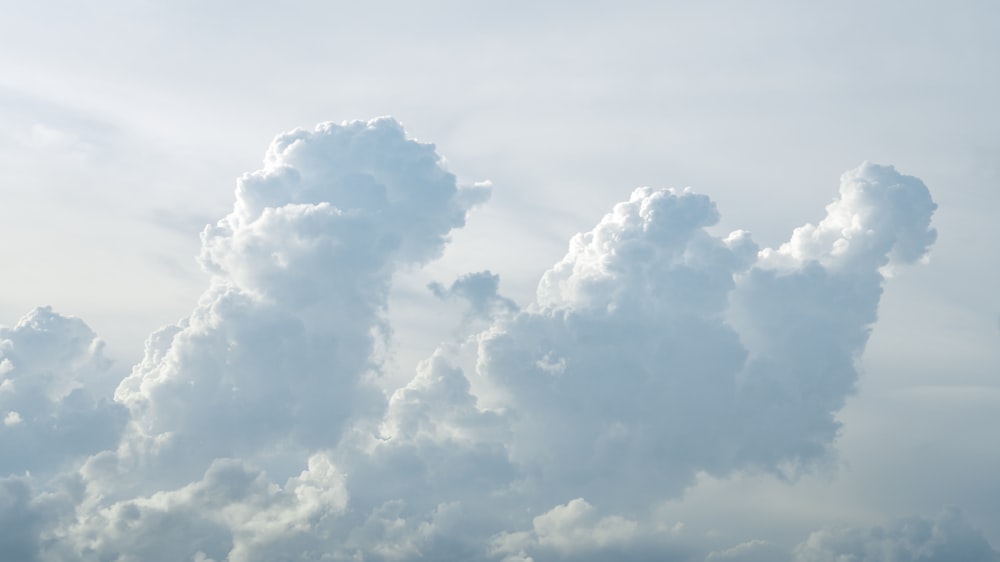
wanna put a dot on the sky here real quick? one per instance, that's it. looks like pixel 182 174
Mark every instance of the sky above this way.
pixel 503 282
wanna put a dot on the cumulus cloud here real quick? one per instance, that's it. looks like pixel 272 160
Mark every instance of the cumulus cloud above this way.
pixel 657 350
pixel 616 377
pixel 279 352
pixel 254 428
pixel 51 373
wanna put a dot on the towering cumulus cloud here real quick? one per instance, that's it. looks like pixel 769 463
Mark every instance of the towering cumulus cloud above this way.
pixel 278 353
pixel 657 350
pixel 254 430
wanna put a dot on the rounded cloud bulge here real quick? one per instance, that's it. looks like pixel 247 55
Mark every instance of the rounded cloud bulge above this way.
pixel 279 351
pixel 255 428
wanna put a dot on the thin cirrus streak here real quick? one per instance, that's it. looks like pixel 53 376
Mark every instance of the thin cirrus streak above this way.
pixel 254 430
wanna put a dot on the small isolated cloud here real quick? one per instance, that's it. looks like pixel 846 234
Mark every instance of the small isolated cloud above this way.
pixel 12 419
pixel 481 292
pixel 255 430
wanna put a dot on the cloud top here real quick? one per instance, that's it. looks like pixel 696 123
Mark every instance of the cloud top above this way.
pixel 881 216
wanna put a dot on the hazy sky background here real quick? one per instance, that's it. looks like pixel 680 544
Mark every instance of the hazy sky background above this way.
pixel 123 126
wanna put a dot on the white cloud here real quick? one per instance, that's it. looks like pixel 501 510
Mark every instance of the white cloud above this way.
pixel 52 367
pixel 575 527
pixel 278 352
pixel 881 217
pixel 12 418
pixel 567 106
pixel 255 430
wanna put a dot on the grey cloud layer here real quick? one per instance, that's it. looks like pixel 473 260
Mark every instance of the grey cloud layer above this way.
pixel 254 429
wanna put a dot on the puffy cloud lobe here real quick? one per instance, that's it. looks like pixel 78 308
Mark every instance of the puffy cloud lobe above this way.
pixel 359 197
pixel 438 464
pixel 620 371
pixel 881 218
pixel 947 538
pixel 51 367
pixel 437 406
pixel 576 531
pixel 649 251
pixel 569 528
pixel 279 350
